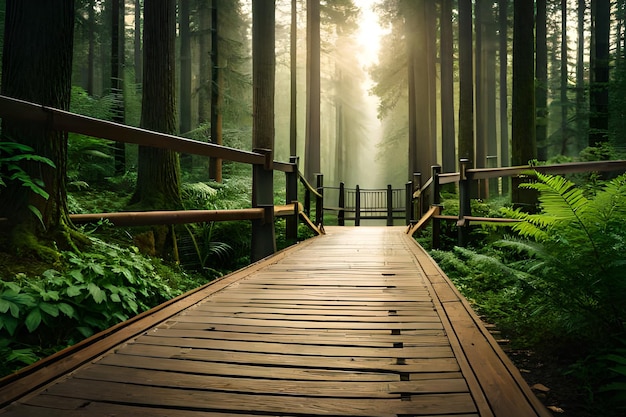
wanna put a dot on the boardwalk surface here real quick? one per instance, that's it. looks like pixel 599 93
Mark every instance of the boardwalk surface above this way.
pixel 359 322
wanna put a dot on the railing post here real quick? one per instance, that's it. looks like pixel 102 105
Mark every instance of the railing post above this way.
pixel 436 201
pixel 319 201
pixel 263 234
pixel 408 203
pixel 417 185
pixel 357 206
pixel 389 205
pixel 307 202
pixel 291 225
pixel 465 208
pixel 341 215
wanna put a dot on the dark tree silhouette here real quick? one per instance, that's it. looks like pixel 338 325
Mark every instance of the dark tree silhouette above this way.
pixel 38 41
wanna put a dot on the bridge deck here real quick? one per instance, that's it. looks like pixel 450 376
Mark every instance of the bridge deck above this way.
pixel 360 322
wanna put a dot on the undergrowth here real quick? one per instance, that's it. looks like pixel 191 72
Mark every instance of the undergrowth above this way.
pixel 557 284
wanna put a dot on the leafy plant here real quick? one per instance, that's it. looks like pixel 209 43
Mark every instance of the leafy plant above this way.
pixel 11 154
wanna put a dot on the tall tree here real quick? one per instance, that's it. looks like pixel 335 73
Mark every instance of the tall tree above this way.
pixel 580 75
pixel 541 87
pixel 448 139
pixel 38 39
pixel 564 75
pixel 185 66
pixel 158 170
pixel 421 138
pixel 117 77
pixel 263 129
pixel 138 56
pixel 599 85
pixel 217 87
pixel 503 21
pixel 466 82
pixel 293 94
pixel 312 138
pixel 524 148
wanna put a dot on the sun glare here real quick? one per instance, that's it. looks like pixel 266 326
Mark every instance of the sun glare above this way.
pixel 369 32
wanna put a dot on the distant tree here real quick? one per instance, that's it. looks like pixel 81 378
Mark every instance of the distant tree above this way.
pixel 158 170
pixel 293 80
pixel 38 41
pixel 503 22
pixel 312 138
pixel 185 66
pixel 581 114
pixel 448 138
pixel 217 87
pixel 599 86
pixel 466 89
pixel 138 56
pixel 118 33
pixel 541 87
pixel 524 147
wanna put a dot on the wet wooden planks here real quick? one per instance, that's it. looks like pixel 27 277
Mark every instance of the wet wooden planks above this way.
pixel 348 324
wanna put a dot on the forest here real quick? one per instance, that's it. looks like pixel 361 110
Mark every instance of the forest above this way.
pixel 365 92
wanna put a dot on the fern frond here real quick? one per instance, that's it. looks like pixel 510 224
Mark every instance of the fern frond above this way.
pixel 559 197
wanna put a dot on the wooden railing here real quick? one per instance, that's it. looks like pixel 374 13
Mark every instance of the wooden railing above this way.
pixel 368 203
pixel 262 212
pixel 428 194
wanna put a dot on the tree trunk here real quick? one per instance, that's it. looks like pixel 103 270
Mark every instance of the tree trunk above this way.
pixel 217 87
pixel 263 129
pixel 204 95
pixel 38 40
pixel 581 116
pixel 505 159
pixel 158 174
pixel 117 74
pixel 466 82
pixel 137 42
pixel 448 139
pixel 564 75
pixel 185 66
pixel 524 133
pixel 293 112
pixel 312 139
pixel 91 21
pixel 541 87
pixel 599 85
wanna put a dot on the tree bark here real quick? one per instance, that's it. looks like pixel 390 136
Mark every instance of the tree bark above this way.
pixel 158 174
pixel 541 88
pixel 599 85
pixel 38 40
pixel 312 139
pixel 505 159
pixel 448 139
pixel 217 87
pixel 523 123
pixel 466 89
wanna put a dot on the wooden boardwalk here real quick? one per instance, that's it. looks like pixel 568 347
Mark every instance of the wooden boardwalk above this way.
pixel 360 322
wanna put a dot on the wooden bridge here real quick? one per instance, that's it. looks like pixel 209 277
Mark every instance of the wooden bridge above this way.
pixel 358 322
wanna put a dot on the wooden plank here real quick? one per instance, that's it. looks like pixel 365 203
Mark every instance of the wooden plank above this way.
pixel 422 316
pixel 122 393
pixel 99 409
pixel 313 338
pixel 299 349
pixel 410 365
pixel 44 371
pixel 425 324
pixel 267 386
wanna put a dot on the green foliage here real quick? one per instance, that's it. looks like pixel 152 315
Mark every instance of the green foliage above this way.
pixel 11 155
pixel 94 291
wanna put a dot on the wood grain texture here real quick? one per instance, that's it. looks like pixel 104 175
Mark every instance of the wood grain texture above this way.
pixel 359 322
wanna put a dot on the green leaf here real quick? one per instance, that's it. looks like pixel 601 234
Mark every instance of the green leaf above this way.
pixel 97 268
pixel 115 298
pixel 85 331
pixel 9 323
pixel 67 309
pixel 4 305
pixel 37 213
pixel 49 309
pixel 73 291
pixel 96 292
pixel 77 275
pixel 33 320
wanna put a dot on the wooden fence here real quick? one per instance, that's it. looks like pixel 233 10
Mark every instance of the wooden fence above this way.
pixel 262 212
pixel 428 194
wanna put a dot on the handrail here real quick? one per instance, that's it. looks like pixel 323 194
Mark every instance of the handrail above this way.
pixel 472 174
pixel 308 186
pixel 72 122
